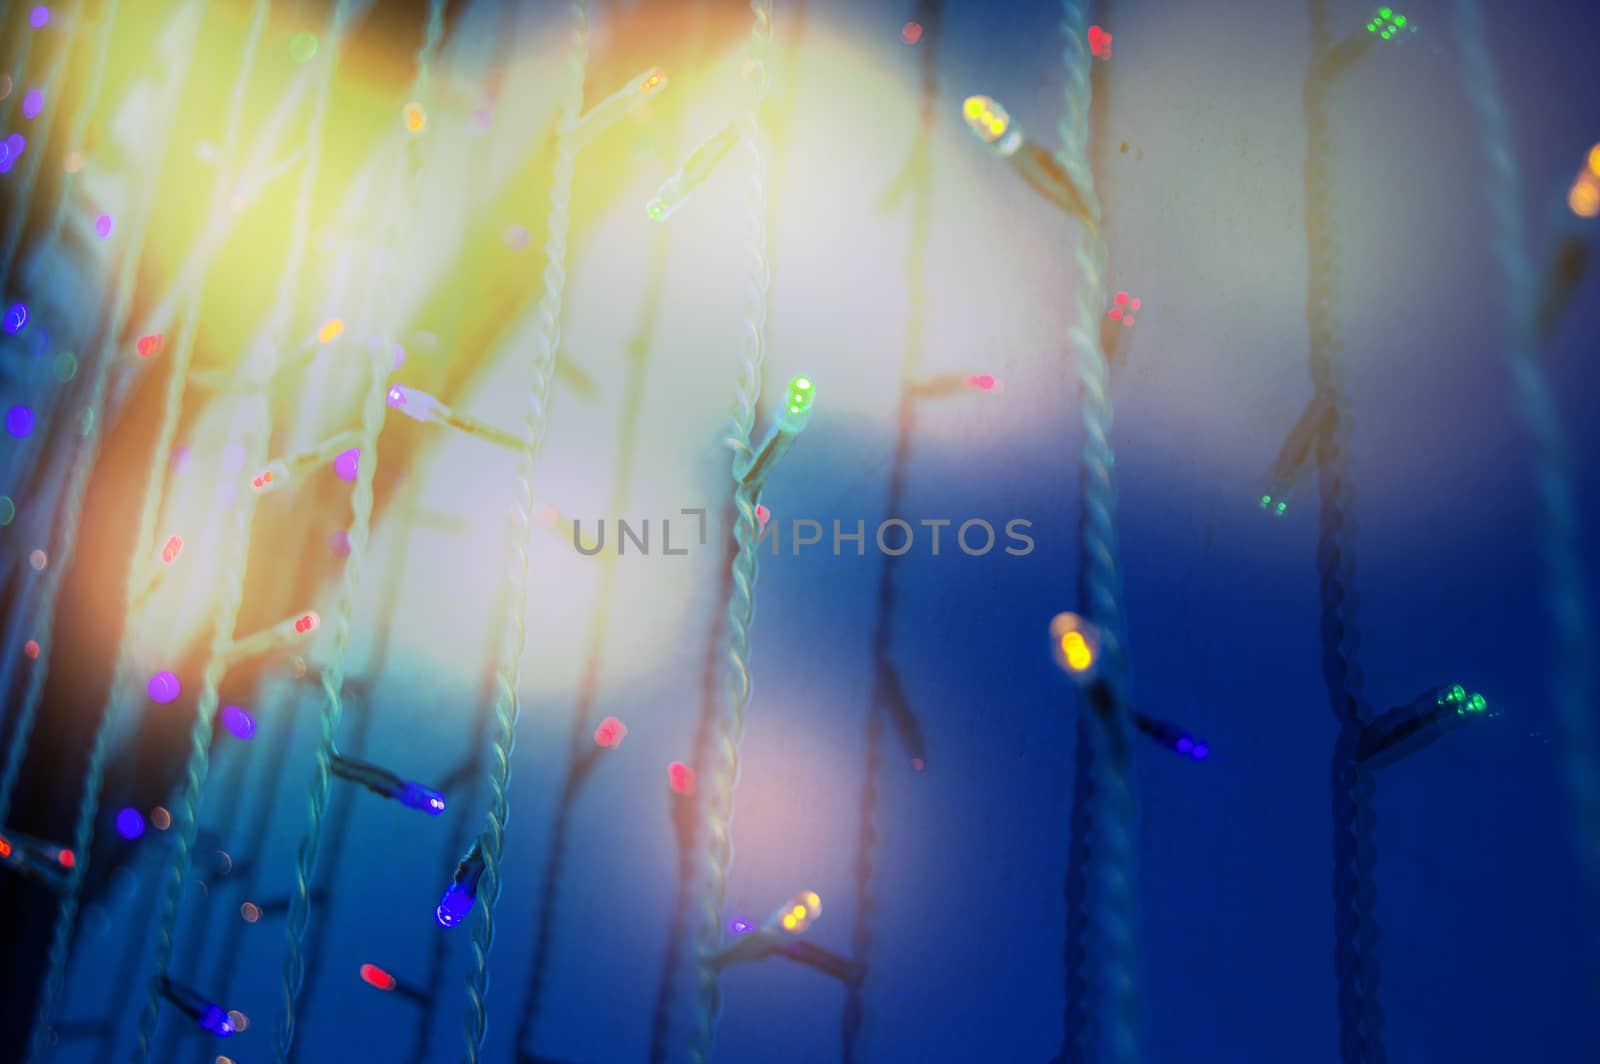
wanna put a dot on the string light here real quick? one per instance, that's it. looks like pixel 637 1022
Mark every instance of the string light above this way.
pixel 16 317
pixel 171 550
pixel 414 117
pixel 763 515
pixel 207 1014
pixel 164 688
pixel 31 649
pixel 160 818
pixel 38 560
pixel 103 226
pixel 381 781
pixel 1172 737
pixel 1076 645
pixel 1387 24
pixel 610 733
pixel 605 114
pixel 281 470
pixel 462 892
pixel 374 976
pixel 32 104
pixel 331 330
pixel 675 190
pixel 38 17
pixel 1294 461
pixel 420 406
pixel 280 634
pixel 1404 730
pixel 150 345
pixel 992 124
pixel 792 420
pixel 911 32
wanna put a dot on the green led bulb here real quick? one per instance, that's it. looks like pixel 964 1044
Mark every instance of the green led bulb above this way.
pixel 656 210
pixel 1384 12
pixel 1283 508
pixel 1455 693
pixel 1400 21
pixel 1266 501
pixel 1477 703
pixel 801 392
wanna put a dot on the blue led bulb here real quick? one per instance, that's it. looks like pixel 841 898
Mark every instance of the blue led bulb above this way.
pixel 455 905
pixel 215 1020
pixel 414 795
pixel 458 897
pixel 16 317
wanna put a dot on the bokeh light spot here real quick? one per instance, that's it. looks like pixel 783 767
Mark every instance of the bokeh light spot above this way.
pixel 130 825
pixel 38 560
pixel 19 421
pixel 164 687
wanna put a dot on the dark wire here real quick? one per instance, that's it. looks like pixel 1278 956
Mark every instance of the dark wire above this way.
pixel 887 695
pixel 1354 855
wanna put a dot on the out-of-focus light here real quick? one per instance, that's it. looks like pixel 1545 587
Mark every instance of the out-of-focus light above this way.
pixel 19 421
pixel 102 226
pixel 372 975
pixel 610 733
pixel 911 32
pixel 763 515
pixel 163 687
pixel 982 382
pixel 330 330
pixel 346 463
pixel 250 912
pixel 1584 196
pixel 741 926
pixel 302 47
pixel 38 17
pixel 16 317
pixel 38 560
pixel 680 778
pixel 307 622
pixel 31 649
pixel 339 543
pixel 171 550
pixel 1076 645
pixel 516 237
pixel 237 721
pixel 415 118
pixel 66 366
pixel 8 510
pixel 130 825
pixel 160 819
pixel 73 162
pixel 66 859
pixel 150 345
pixel 32 103
pixel 240 1021
pixel 1099 43
pixel 5 86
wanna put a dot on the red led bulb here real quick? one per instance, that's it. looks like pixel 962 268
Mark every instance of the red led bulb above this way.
pixel 610 733
pixel 169 553
pixel 372 975
pixel 306 623
pixel 150 345
pixel 680 778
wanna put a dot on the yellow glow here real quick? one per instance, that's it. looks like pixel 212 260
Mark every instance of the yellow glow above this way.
pixel 813 902
pixel 1076 650
pixel 1594 161
pixel 974 107
pixel 1584 198
pixel 331 331
pixel 415 118
pixel 788 922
